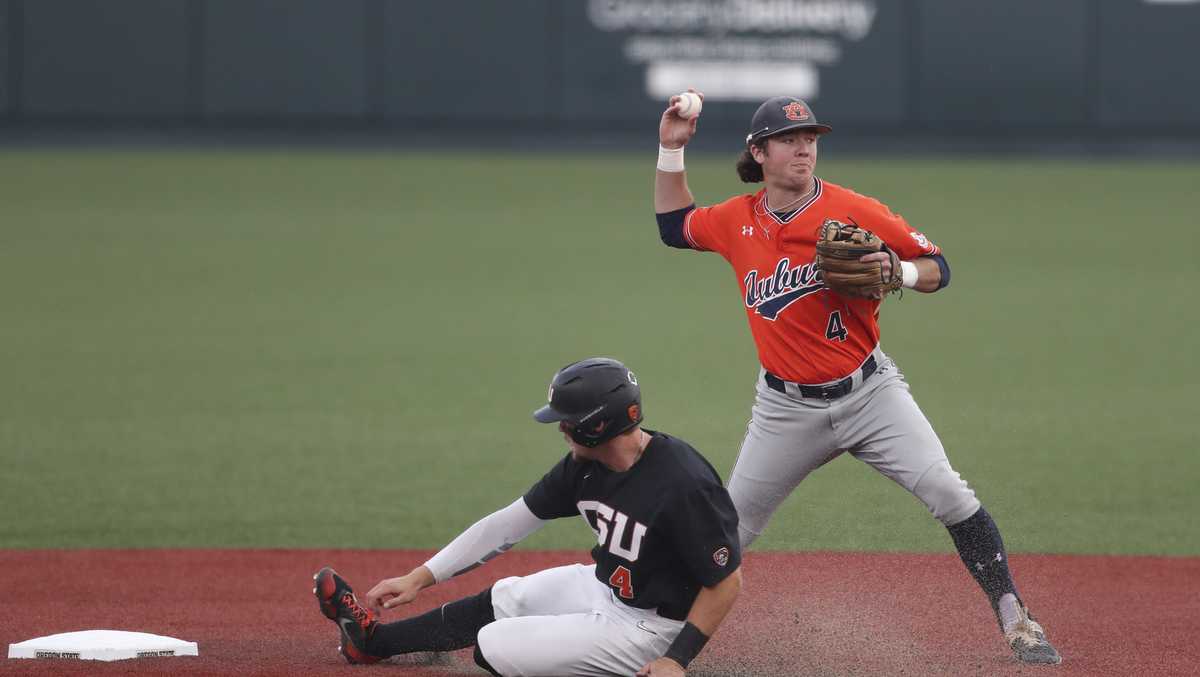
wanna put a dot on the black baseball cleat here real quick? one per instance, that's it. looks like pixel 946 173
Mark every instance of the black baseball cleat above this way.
pixel 355 621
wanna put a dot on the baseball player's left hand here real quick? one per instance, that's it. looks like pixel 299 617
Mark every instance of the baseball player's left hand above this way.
pixel 885 262
pixel 661 667
pixel 396 591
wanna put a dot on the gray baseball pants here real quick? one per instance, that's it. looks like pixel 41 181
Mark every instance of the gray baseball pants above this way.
pixel 878 423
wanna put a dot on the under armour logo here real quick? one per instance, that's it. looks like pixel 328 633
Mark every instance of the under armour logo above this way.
pixel 980 565
pixel 748 231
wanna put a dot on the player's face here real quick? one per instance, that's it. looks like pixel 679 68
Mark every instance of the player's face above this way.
pixel 790 158
pixel 578 451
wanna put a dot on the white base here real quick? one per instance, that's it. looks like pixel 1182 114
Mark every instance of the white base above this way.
pixel 102 645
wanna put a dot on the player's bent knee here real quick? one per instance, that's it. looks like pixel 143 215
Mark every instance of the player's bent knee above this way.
pixel 506 597
pixel 490 648
pixel 946 494
pixel 482 662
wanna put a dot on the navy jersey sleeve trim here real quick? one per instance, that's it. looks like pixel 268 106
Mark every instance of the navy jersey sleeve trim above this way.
pixel 943 267
pixel 670 227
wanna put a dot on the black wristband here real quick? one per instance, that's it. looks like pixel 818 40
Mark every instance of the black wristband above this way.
pixel 687 645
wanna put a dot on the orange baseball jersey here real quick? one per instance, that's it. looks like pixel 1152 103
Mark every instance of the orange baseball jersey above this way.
pixel 804 332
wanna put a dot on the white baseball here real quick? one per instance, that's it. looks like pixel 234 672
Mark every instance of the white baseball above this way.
pixel 689 105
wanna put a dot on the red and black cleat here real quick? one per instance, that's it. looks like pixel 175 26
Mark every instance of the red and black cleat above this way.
pixel 355 621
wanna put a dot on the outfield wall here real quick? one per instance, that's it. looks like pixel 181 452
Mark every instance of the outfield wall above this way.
pixel 1086 67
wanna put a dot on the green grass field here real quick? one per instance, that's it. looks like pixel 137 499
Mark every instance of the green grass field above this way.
pixel 252 349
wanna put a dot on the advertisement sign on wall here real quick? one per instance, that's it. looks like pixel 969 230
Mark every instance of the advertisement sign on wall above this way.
pixel 746 50
pixel 844 53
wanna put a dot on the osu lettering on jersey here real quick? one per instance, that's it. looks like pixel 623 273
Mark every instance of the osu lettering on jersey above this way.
pixel 804 332
pixel 665 527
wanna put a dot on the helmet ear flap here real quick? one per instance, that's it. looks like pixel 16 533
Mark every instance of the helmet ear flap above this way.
pixel 591 435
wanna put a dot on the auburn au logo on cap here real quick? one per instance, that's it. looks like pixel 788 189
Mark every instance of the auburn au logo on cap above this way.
pixel 796 111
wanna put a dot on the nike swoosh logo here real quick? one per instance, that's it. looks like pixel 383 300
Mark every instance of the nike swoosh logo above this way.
pixel 587 476
pixel 642 626
pixel 343 621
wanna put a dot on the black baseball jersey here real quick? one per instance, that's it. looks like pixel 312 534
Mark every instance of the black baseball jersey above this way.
pixel 665 527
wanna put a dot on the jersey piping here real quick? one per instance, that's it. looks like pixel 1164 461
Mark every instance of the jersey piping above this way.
pixel 760 207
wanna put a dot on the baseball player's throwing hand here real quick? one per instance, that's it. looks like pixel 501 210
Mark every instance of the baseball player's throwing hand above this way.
pixel 393 592
pixel 674 131
pixel 662 667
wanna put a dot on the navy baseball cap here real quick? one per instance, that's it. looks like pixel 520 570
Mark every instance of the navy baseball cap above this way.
pixel 781 114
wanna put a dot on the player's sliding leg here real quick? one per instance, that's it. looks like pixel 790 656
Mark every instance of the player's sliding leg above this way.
pixel 563 621
pixel 553 622
pixel 366 640
pixel 574 644
pixel 448 628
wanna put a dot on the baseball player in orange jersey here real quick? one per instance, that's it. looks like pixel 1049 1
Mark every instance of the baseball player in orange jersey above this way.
pixel 825 386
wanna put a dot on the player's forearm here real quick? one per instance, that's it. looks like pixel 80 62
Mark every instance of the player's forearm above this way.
pixel 713 604
pixel 707 612
pixel 491 536
pixel 671 191
pixel 929 275
pixel 423 577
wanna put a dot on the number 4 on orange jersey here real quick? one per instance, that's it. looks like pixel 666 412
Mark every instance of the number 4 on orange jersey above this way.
pixel 622 580
pixel 835 330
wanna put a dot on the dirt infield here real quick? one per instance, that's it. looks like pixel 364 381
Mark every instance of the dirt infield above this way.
pixel 252 612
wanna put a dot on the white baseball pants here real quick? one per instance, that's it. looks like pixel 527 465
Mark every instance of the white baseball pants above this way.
pixel 562 621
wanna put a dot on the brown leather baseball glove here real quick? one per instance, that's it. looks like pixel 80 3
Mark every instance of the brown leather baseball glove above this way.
pixel 838 249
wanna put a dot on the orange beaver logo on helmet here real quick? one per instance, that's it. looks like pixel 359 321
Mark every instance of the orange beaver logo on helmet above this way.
pixel 795 111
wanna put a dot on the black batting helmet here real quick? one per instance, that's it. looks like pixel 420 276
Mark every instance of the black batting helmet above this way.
pixel 781 114
pixel 599 398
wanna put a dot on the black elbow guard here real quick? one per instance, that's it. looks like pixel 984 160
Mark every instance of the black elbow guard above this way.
pixel 944 268
pixel 670 227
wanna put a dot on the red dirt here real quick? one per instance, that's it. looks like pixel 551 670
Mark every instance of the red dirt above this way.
pixel 252 612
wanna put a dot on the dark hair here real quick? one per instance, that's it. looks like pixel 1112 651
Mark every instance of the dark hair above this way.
pixel 748 169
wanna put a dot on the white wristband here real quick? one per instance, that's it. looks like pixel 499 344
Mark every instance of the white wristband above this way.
pixel 908 274
pixel 670 159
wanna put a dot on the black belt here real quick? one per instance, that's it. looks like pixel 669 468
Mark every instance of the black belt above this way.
pixel 831 391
